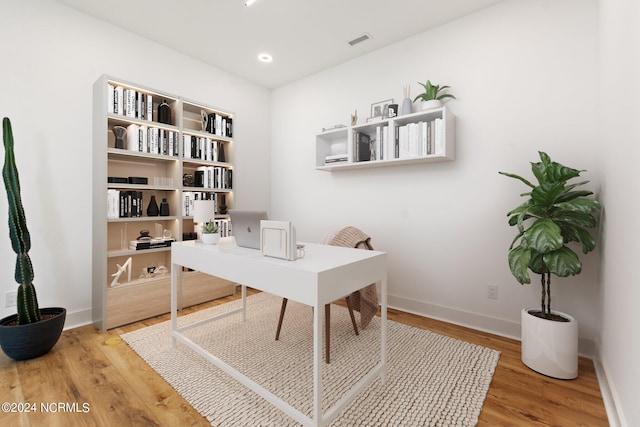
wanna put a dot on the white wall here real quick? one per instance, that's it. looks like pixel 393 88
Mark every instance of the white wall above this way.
pixel 52 55
pixel 525 74
pixel 619 344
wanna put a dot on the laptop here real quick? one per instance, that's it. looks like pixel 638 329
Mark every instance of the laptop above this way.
pixel 246 227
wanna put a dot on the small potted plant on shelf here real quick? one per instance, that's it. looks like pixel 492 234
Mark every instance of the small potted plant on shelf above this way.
pixel 433 95
pixel 554 215
pixel 210 234
pixel 31 332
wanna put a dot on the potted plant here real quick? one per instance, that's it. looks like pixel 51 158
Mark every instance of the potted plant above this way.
pixel 31 332
pixel 555 216
pixel 210 235
pixel 433 95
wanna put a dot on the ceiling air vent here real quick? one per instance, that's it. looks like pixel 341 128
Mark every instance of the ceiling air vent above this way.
pixel 359 39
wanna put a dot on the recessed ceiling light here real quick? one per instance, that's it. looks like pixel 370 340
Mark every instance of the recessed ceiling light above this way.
pixel 249 2
pixel 265 57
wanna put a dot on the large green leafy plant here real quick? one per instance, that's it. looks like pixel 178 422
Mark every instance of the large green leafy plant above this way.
pixel 28 311
pixel 432 92
pixel 555 214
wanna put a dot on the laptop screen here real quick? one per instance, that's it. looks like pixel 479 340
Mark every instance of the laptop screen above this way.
pixel 246 227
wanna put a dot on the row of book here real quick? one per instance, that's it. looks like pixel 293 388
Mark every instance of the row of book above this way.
pixel 129 103
pixel 213 177
pixel 219 125
pixel 138 105
pixel 420 139
pixel 203 149
pixel 145 139
pixel 124 204
pixel 410 140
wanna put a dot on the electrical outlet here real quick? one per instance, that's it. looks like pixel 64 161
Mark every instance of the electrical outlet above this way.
pixel 492 291
pixel 11 299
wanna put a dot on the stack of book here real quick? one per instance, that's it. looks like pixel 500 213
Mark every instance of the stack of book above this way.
pixel 139 245
pixel 335 158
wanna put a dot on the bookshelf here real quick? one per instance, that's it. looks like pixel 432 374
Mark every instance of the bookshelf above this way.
pixel 425 136
pixel 158 158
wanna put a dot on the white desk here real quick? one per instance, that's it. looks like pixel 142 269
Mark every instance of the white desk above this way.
pixel 325 274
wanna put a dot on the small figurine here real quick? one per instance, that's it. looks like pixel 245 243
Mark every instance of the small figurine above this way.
pixel 121 269
pixel 354 118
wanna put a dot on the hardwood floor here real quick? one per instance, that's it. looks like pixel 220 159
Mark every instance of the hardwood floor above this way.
pixel 92 378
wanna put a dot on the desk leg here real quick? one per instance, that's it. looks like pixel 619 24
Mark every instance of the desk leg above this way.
pixel 383 329
pixel 174 302
pixel 317 365
pixel 244 303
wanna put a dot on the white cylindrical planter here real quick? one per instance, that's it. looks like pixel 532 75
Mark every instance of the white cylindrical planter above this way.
pixel 549 347
pixel 433 103
pixel 210 238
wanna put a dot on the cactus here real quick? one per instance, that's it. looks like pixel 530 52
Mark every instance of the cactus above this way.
pixel 28 311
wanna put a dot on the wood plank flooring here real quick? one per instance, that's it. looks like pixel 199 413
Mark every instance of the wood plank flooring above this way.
pixel 92 378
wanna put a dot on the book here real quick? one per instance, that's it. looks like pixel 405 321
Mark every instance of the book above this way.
pixel 119 100
pixel 150 244
pixel 110 98
pixel 336 158
pixel 363 147
pixel 149 114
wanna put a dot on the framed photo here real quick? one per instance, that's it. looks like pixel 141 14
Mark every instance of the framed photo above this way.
pixel 379 109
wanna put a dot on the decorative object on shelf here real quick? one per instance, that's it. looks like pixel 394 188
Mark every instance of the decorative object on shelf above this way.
pixel 223 205
pixel 164 113
pixel 378 108
pixel 144 235
pixel 164 207
pixel 166 234
pixel 554 214
pixel 210 234
pixel 204 121
pixel 121 269
pixel 31 332
pixel 123 238
pixel 393 111
pixel 153 271
pixel 406 102
pixel 188 180
pixel 152 209
pixel 432 96
pixel 203 211
pixel 120 132
pixel 354 118
pixel 133 131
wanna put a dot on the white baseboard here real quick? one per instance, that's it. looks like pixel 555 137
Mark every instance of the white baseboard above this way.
pixel 480 322
pixel 77 319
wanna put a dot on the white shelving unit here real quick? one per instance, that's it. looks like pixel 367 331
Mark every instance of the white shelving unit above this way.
pixel 341 140
pixel 148 292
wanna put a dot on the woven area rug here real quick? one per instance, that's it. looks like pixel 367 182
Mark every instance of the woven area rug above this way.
pixel 432 380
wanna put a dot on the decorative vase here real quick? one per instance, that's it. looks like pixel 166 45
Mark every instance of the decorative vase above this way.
pixel 119 132
pixel 24 342
pixel 550 347
pixel 432 103
pixel 164 207
pixel 406 106
pixel 210 238
pixel 164 113
pixel 204 120
pixel 152 209
pixel 222 208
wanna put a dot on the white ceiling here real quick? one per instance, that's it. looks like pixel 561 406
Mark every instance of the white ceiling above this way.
pixel 304 36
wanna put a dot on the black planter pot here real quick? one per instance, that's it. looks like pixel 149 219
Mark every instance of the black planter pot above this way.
pixel 23 342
